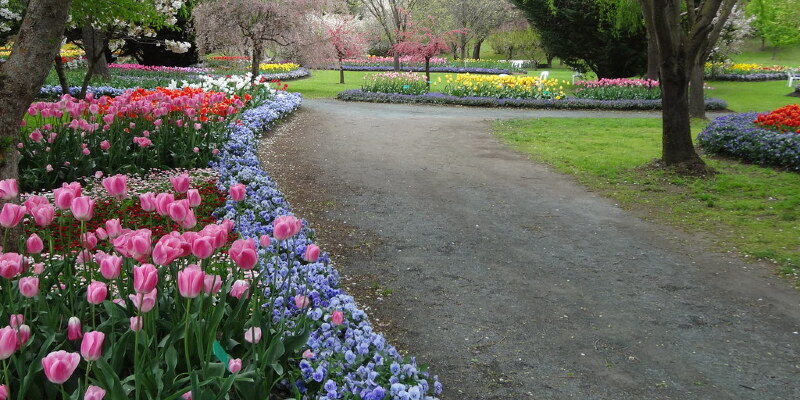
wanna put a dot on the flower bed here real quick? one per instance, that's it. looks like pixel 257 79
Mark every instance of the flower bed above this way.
pixel 345 357
pixel 501 87
pixel 131 133
pixel 395 82
pixel 139 67
pixel 568 103
pixel 274 68
pixel 618 89
pixel 744 72
pixel 288 76
pixel 738 135
pixel 450 70
pixel 56 91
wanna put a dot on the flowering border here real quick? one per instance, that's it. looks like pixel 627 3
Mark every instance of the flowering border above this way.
pixel 451 70
pixel 357 362
pixel 569 103
pixel 736 135
pixel 771 76
pixel 296 73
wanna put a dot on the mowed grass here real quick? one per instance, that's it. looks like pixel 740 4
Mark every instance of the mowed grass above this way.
pixel 745 208
pixel 752 96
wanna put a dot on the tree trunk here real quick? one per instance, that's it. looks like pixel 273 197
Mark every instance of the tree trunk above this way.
pixel 341 71
pixel 93 43
pixel 255 61
pixel 462 46
pixel 652 60
pixel 428 73
pixel 476 49
pixel 62 77
pixel 396 62
pixel 677 148
pixel 21 77
pixel 697 101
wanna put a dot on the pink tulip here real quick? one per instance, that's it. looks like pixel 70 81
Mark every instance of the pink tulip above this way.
pixel 74 329
pixel 105 145
pixel 163 200
pixel 228 225
pixel 10 265
pixel 59 365
pixel 145 278
pixel 252 335
pixel 16 320
pixel 136 323
pixel 190 221
pixel 117 186
pixel 23 334
pixel 28 286
pixel 238 192
pixel 178 210
pixel 94 393
pixel 92 345
pixel 187 395
pixel 35 201
pixel 312 253
pixel 96 292
pixel 11 215
pixel 82 208
pixel 144 302
pixel 190 281
pixel 212 284
pixel 89 240
pixel 8 189
pixel 264 240
pixel 38 268
pixel 101 234
pixel 193 195
pixel 286 226
pixel 180 183
pixel 301 301
pixel 34 244
pixel 308 354
pixel 203 247
pixel 8 342
pixel 113 228
pixel 110 266
pixel 43 215
pixel 134 244
pixel 148 201
pixel 63 198
pixel 167 250
pixel 235 365
pixel 3 392
pixel 243 253
pixel 217 233
pixel 337 318
pixel 239 288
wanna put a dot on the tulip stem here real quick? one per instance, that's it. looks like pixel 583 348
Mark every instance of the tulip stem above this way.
pixel 5 373
pixel 136 365
pixel 86 380
pixel 186 334
pixel 63 393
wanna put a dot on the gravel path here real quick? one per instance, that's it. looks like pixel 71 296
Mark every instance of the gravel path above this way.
pixel 512 281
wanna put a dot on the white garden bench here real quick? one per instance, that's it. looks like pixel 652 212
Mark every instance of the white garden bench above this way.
pixel 794 75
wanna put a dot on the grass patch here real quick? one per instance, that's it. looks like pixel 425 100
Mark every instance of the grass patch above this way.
pixel 747 208
pixel 752 53
pixel 752 96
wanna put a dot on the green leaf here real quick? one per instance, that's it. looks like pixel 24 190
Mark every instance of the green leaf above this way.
pixel 111 382
pixel 220 353
pixel 275 350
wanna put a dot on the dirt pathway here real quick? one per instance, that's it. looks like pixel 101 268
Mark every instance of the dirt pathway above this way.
pixel 511 281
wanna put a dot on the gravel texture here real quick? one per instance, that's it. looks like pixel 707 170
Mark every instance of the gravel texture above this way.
pixel 512 281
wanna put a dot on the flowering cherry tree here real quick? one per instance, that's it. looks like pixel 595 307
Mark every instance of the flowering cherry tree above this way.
pixel 347 42
pixel 422 42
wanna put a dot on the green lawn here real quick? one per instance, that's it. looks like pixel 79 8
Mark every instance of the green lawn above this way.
pixel 747 208
pixel 788 55
pixel 752 96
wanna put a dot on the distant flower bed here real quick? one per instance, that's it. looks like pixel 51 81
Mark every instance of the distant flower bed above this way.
pixel 274 68
pixel 754 138
pixel 567 103
pixel 784 119
pixel 229 58
pixel 288 76
pixel 500 86
pixel 744 72
pixel 139 67
pixel 449 70
pixel 437 64
pixel 395 82
pixel 97 91
pixel 618 89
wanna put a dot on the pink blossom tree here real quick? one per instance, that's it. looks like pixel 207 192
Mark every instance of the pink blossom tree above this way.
pixel 422 42
pixel 347 41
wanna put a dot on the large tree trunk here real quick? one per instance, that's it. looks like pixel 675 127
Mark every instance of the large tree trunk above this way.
pixel 697 101
pixel 22 75
pixel 341 71
pixel 94 46
pixel 476 49
pixel 677 148
pixel 396 62
pixel 428 72
pixel 653 61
